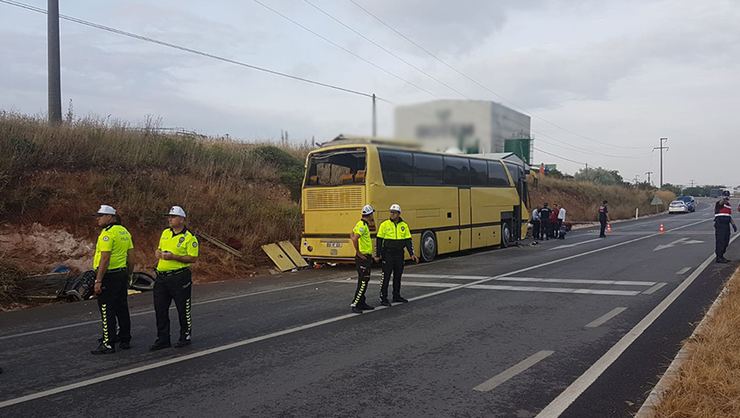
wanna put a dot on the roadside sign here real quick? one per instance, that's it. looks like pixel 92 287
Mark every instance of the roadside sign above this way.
pixel 657 201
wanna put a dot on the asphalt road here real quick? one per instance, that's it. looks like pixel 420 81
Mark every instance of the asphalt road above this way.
pixel 580 327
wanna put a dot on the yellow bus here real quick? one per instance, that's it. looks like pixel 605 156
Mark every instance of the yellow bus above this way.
pixel 451 202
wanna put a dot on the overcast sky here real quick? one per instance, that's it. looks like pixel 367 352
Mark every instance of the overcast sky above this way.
pixel 621 73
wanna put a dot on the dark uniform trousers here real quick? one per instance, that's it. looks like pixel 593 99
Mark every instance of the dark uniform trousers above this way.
pixel 536 229
pixel 545 228
pixel 721 235
pixel 392 263
pixel 602 221
pixel 113 305
pixel 363 277
pixel 176 286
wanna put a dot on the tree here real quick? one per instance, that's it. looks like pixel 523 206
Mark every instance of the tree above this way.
pixel 600 175
pixel 672 188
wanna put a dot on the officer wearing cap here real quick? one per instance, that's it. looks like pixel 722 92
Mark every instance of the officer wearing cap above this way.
pixel 113 263
pixel 722 222
pixel 393 237
pixel 360 237
pixel 177 250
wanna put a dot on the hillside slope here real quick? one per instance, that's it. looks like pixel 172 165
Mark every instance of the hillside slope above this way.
pixel 52 181
pixel 582 199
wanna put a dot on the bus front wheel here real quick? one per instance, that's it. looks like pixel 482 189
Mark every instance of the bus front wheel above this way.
pixel 505 235
pixel 428 246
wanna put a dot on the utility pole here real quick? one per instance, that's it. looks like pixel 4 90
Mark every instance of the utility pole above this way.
pixel 661 148
pixel 375 119
pixel 692 183
pixel 54 72
pixel 649 173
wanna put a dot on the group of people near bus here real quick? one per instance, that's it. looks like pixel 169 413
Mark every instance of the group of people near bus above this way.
pixel 548 223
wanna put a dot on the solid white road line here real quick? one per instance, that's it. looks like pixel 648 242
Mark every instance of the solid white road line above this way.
pixel 557 290
pixel 683 270
pixel 576 281
pixel 607 316
pixel 572 392
pixel 654 289
pixel 241 343
pixel 512 371
pixel 521 288
pixel 534 279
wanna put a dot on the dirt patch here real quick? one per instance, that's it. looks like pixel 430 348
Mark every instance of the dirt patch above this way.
pixel 37 248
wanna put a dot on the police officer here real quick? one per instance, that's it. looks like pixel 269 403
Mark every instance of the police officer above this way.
pixel 603 218
pixel 545 227
pixel 722 222
pixel 393 236
pixel 113 263
pixel 177 250
pixel 360 237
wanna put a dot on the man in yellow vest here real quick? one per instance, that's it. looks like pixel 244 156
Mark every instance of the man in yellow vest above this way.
pixel 177 250
pixel 363 244
pixel 113 263
pixel 393 236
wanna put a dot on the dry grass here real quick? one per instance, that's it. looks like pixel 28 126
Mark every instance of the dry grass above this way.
pixel 582 199
pixel 235 191
pixel 708 382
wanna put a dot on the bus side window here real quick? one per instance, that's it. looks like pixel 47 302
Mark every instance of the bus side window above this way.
pixel 497 175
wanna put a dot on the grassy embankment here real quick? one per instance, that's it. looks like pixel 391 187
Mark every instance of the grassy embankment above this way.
pixel 239 192
pixel 707 384
pixel 582 199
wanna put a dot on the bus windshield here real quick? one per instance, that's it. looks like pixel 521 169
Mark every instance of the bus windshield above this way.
pixel 336 167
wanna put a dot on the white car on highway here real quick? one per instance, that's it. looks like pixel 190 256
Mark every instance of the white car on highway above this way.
pixel 678 206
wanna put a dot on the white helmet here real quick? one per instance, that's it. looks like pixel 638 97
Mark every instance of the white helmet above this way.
pixel 367 210
pixel 395 208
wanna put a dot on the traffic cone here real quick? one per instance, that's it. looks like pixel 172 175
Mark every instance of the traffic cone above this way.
pixel 661 229
pixel 608 227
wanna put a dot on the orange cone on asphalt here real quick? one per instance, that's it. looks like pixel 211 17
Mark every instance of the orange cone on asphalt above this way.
pixel 608 227
pixel 661 229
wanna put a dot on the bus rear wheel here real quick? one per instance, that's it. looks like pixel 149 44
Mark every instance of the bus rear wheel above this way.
pixel 428 246
pixel 505 235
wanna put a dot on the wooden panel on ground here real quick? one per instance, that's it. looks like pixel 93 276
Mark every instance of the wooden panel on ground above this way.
pixel 281 260
pixel 293 254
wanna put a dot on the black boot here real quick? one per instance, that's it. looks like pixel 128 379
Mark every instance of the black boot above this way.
pixel 104 349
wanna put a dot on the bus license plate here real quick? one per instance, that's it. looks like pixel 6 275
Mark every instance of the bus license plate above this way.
pixel 334 244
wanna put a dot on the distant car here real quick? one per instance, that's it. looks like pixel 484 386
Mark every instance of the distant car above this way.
pixel 678 206
pixel 690 202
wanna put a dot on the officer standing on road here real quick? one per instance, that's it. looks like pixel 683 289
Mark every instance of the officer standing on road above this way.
pixel 545 213
pixel 393 236
pixel 177 250
pixel 722 222
pixel 113 263
pixel 360 237
pixel 603 218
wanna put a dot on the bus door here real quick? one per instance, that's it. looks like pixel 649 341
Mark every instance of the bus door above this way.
pixel 464 217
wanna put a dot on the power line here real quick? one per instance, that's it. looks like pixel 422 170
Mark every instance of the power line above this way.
pixel 476 82
pixel 329 41
pixel 558 156
pixel 584 150
pixel 386 50
pixel 193 51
